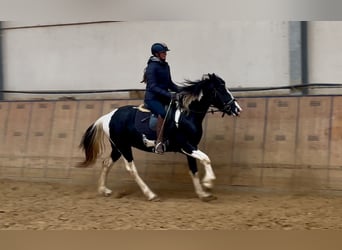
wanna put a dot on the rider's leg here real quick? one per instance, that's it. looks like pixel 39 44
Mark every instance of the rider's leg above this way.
pixel 158 108
pixel 160 146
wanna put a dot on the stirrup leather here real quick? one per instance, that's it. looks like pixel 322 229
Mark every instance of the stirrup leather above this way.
pixel 160 148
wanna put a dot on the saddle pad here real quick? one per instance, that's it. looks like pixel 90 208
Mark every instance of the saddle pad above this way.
pixel 142 124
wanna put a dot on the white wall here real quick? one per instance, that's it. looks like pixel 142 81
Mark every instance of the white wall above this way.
pixel 325 52
pixel 113 55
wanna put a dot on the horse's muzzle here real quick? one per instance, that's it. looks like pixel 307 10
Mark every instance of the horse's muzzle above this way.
pixel 231 108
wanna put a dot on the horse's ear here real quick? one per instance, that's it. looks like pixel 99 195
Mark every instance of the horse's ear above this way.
pixel 206 76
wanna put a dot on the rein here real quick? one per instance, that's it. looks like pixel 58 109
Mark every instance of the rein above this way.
pixel 214 110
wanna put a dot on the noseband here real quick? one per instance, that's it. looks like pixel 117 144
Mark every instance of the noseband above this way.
pixel 227 106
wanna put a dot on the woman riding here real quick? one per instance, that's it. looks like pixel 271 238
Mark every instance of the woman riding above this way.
pixel 158 81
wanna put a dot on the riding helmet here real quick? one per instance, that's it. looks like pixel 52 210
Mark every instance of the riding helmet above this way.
pixel 159 47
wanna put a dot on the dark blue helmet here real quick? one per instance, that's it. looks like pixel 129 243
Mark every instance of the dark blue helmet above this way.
pixel 159 47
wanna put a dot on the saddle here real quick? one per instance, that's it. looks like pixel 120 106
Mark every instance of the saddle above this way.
pixel 146 122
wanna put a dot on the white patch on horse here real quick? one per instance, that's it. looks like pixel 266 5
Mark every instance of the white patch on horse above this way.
pixel 148 143
pixel 106 166
pixel 238 106
pixel 209 175
pixel 177 116
pixel 188 99
pixel 130 166
pixel 198 188
pixel 105 120
pixel 230 94
pixel 200 96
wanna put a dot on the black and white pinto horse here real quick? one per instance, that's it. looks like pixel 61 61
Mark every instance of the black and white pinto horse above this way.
pixel 183 130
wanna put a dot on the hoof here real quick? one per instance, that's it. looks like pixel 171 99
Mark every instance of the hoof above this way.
pixel 105 192
pixel 155 198
pixel 208 185
pixel 208 198
pixel 207 189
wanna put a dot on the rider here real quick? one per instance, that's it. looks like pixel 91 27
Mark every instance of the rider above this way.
pixel 158 81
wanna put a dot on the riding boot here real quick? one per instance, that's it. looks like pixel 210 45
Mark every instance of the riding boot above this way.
pixel 160 146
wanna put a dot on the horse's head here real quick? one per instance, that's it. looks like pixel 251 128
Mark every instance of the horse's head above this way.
pixel 210 90
pixel 215 88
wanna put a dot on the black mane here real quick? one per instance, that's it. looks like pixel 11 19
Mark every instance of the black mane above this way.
pixel 194 88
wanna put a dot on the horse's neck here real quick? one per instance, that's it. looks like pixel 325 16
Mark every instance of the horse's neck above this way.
pixel 199 109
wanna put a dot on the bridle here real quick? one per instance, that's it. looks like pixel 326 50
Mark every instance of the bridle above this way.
pixel 226 106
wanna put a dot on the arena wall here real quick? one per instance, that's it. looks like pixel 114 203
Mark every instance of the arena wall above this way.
pixel 285 143
pixel 113 55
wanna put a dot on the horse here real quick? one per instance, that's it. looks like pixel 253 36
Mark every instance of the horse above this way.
pixel 182 129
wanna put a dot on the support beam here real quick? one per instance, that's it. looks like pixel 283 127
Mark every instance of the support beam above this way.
pixel 304 59
pixel 298 49
pixel 1 65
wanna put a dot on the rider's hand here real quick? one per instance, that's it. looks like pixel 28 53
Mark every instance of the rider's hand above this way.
pixel 174 96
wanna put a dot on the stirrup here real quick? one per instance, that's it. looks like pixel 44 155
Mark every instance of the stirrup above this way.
pixel 160 148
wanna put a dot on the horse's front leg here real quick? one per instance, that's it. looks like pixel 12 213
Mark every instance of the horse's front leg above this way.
pixel 209 176
pixel 202 194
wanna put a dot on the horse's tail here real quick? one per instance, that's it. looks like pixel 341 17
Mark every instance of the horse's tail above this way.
pixel 92 144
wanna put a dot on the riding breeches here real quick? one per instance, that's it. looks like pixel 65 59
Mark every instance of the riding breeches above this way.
pixel 156 107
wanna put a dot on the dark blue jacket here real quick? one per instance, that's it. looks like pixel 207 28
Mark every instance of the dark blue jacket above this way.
pixel 158 81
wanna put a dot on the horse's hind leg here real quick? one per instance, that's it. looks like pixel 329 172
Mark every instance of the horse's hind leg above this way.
pixel 106 166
